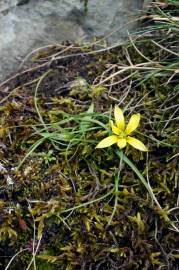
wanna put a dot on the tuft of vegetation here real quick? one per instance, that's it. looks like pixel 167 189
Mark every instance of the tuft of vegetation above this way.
pixel 67 205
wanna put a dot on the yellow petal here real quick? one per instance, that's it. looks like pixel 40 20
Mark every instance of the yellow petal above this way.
pixel 107 141
pixel 121 143
pixel 136 144
pixel 115 130
pixel 119 118
pixel 133 123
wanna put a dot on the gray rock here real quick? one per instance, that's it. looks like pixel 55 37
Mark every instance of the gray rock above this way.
pixel 28 24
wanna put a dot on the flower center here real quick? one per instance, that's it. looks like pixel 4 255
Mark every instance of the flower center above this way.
pixel 122 135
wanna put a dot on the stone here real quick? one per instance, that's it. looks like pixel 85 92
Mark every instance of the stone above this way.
pixel 26 25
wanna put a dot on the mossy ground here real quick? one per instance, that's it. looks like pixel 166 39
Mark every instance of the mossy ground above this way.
pixel 46 213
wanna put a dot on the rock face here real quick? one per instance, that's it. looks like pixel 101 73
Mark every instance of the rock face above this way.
pixel 28 24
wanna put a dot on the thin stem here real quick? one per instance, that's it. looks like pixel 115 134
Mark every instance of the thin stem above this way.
pixel 87 203
pixel 117 178
pixel 11 260
pixel 35 98
pixel 142 179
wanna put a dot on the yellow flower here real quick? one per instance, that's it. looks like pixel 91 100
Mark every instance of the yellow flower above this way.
pixel 121 133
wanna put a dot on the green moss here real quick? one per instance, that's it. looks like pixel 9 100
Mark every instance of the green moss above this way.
pixel 64 191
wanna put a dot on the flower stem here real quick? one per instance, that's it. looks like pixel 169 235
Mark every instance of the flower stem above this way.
pixel 122 156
